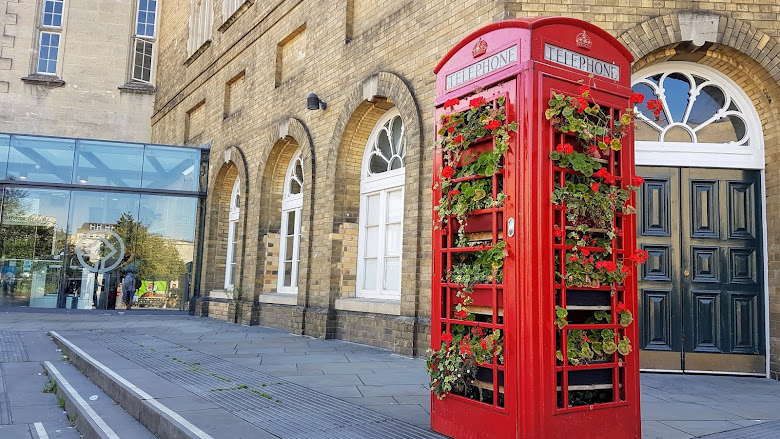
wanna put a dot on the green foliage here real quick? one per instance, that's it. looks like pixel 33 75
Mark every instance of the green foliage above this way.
pixel 454 366
pixel 50 386
pixel 592 345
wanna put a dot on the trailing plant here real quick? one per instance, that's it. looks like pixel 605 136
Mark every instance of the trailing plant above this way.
pixel 458 133
pixel 594 345
pixel 454 365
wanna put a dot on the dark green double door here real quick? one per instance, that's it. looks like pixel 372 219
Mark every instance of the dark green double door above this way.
pixel 701 299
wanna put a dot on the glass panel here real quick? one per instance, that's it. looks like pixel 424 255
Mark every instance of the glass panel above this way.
pixel 288 274
pixel 165 249
pixel 171 168
pixel 392 279
pixel 707 103
pixel 377 164
pixel 383 144
pixel 108 164
pixel 397 127
pixel 5 141
pixel 642 108
pixel 369 274
pixel 295 187
pixel 643 131
pixel 677 134
pixel 396 163
pixel 40 159
pixel 102 230
pixel 290 222
pixel 372 242
pixel 677 89
pixel 289 247
pixel 32 237
pixel 395 206
pixel 372 209
pixel 299 170
pixel 728 129
pixel 393 239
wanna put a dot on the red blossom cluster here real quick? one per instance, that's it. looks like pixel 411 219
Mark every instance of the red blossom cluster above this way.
pixel 447 172
pixel 639 257
pixel 446 337
pixel 636 98
pixel 603 174
pixel 493 124
pixel 477 102
pixel 557 232
pixel 621 307
pixel 637 180
pixel 564 148
pixel 655 106
pixel 606 265
pixel 465 346
pixel 451 103
pixel 458 139
pixel 461 314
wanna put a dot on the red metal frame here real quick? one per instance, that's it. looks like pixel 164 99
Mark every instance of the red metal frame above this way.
pixel 535 384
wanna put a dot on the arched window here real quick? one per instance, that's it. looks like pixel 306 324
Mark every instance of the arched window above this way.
pixel 706 120
pixel 381 210
pixel 232 241
pixel 290 232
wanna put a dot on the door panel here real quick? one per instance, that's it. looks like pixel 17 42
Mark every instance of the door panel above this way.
pixel 701 290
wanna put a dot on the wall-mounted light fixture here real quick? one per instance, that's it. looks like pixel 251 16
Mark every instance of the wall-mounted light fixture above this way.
pixel 314 103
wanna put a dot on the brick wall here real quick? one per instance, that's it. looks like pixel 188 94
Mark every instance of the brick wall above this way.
pixel 364 63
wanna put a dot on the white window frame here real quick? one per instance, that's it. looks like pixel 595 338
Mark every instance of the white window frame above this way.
pixel 233 217
pixel 711 155
pixel 290 203
pixel 380 184
pixel 229 7
pixel 50 30
pixel 146 39
pixel 201 18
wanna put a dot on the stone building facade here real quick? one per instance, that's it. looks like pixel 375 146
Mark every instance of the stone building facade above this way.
pixel 237 75
pixel 77 69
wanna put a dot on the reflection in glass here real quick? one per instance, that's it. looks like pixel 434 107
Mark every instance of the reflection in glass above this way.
pixel 165 249
pixel 108 164
pixel 5 141
pixel 32 236
pixel 102 230
pixel 40 159
pixel 677 87
pixel 171 168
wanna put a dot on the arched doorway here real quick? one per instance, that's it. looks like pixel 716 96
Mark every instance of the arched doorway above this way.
pixel 701 219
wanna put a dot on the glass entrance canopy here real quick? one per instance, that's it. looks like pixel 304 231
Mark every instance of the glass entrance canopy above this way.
pixel 77 215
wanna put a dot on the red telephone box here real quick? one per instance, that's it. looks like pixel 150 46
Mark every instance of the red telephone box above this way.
pixel 534 274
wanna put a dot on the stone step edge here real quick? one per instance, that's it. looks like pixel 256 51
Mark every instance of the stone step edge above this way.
pixel 156 417
pixel 88 423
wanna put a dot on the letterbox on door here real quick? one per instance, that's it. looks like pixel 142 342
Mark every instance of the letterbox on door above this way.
pixel 534 261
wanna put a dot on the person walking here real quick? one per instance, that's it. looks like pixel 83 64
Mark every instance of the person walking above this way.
pixel 129 285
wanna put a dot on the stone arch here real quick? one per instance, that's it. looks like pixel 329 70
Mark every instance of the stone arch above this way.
pixel 232 165
pixel 285 138
pixel 371 99
pixel 749 58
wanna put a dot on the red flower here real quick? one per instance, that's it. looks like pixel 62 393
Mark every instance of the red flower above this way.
pixel 604 174
pixel 607 140
pixel 568 149
pixel 451 103
pixel 584 90
pixel 585 338
pixel 458 139
pixel 557 232
pixel 446 337
pixel 585 252
pixel 582 104
pixel 573 258
pixel 477 102
pixel 625 269
pixel 447 172
pixel 454 192
pixel 450 130
pixel 621 307
pixel 636 98
pixel 655 106
pixel 447 118
pixel 483 345
pixel 637 181
pixel 493 124
pixel 461 314
pixel 594 187
pixel 639 257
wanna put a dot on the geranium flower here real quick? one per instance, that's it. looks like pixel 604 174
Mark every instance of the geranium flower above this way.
pixel 594 187
pixel 458 138
pixel 557 232
pixel 451 103
pixel 636 98
pixel 454 192
pixel 477 102
pixel 493 124
pixel 447 337
pixel 568 149
pixel 573 258
pixel 637 180
pixel 447 172
pixel 483 345
pixel 585 252
pixel 450 129
pixel 585 338
pixel 584 90
pixel 461 314
pixel 621 307
pixel 655 106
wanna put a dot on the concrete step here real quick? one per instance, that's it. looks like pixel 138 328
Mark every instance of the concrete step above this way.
pixel 94 413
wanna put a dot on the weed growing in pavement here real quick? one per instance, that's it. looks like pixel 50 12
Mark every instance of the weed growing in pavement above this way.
pixel 227 380
pixel 50 387
pixel 61 402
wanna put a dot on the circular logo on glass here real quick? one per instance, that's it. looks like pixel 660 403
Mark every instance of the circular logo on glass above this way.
pixel 100 251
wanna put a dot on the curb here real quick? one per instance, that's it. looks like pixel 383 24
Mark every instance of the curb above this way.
pixel 157 418
pixel 88 423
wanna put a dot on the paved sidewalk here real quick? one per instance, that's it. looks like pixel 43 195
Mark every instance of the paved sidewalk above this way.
pixel 673 406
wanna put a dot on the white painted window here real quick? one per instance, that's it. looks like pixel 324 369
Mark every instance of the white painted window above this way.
pixel 381 210
pixel 232 241
pixel 201 17
pixel 706 120
pixel 290 232
pixel 143 40
pixel 229 7
pixel 50 36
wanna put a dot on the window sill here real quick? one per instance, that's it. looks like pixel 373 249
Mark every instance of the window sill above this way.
pixel 140 88
pixel 374 306
pixel 232 19
pixel 198 52
pixel 47 80
pixel 220 294
pixel 278 298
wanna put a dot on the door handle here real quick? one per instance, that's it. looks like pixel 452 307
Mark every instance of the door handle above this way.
pixel 686 273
